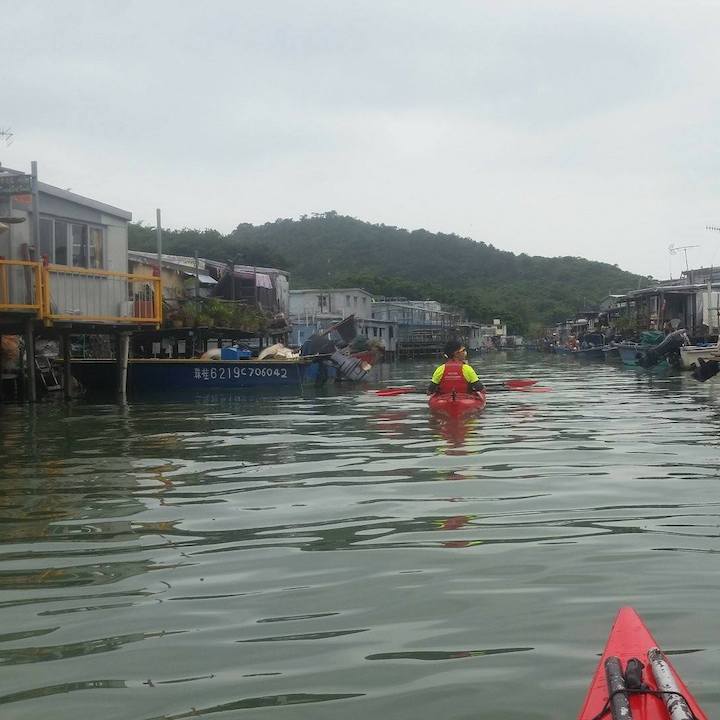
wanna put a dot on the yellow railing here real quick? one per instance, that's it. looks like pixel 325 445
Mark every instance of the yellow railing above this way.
pixel 102 296
pixel 57 293
pixel 20 286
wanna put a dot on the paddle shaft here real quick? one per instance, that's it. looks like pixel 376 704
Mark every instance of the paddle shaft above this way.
pixel 497 385
pixel 393 392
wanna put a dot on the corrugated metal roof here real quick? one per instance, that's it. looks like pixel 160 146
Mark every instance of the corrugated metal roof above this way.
pixel 75 198
pixel 205 279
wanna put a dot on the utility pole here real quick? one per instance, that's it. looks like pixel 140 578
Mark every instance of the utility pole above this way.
pixel 158 236
pixel 712 228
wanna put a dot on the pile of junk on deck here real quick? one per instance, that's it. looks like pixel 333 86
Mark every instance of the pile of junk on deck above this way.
pixel 647 349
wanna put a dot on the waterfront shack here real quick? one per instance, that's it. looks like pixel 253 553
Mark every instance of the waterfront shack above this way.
pixel 313 310
pixel 210 304
pixel 692 303
pixel 423 326
pixel 480 337
pixel 63 272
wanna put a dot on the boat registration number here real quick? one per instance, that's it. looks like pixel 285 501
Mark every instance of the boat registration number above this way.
pixel 234 373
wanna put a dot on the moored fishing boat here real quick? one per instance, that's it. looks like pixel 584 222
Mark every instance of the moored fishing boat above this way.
pixel 590 347
pixel 690 354
pixel 628 352
pixel 589 353
pixel 611 352
pixel 634 679
pixel 155 374
pixel 633 354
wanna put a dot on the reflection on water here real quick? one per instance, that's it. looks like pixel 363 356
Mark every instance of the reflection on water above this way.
pixel 342 554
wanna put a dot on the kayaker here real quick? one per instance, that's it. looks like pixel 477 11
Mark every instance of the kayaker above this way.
pixel 455 375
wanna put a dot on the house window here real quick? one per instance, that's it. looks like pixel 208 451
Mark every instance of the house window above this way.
pixel 61 243
pixel 97 258
pixel 364 301
pixel 79 245
pixel 347 300
pixel 380 332
pixel 374 332
pixel 74 244
pixel 46 239
pixel 355 299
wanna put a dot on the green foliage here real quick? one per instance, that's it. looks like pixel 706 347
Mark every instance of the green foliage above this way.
pixel 326 250
pixel 213 312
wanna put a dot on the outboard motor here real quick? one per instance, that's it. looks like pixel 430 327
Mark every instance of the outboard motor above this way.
pixel 705 369
pixel 671 344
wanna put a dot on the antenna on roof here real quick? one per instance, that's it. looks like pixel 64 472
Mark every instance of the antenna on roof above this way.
pixel 674 250
pixel 6 134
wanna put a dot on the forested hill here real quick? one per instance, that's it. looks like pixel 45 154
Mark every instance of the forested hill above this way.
pixel 334 250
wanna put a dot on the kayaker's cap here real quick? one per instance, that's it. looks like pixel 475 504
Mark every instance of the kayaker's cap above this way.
pixel 451 347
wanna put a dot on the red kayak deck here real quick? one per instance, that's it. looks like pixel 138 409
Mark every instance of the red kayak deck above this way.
pixel 629 638
pixel 457 404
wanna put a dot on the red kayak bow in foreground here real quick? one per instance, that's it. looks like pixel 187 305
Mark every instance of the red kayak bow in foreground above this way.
pixel 635 680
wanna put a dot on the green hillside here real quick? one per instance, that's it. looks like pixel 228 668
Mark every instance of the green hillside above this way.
pixel 334 250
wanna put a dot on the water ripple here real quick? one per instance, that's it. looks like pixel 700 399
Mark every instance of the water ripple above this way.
pixel 334 553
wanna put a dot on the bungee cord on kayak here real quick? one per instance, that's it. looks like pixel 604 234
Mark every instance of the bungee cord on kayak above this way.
pixel 619 693
pixel 643 691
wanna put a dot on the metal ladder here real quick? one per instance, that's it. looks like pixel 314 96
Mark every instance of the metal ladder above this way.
pixel 47 374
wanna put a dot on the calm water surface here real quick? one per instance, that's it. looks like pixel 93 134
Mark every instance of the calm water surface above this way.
pixel 339 555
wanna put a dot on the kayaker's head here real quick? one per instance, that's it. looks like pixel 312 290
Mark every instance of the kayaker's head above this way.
pixel 455 350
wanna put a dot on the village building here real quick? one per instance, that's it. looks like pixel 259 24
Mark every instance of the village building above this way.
pixel 186 278
pixel 63 271
pixel 314 310
pixel 691 303
pixel 209 304
pixel 424 326
pixel 403 327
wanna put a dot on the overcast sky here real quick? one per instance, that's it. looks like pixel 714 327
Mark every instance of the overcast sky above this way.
pixel 551 128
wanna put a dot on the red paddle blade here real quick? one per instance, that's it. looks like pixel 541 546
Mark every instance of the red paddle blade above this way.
pixel 391 392
pixel 518 383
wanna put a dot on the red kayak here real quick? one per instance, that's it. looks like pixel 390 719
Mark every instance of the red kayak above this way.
pixel 457 404
pixel 642 682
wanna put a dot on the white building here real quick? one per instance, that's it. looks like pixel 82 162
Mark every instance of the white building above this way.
pixel 412 312
pixel 315 310
pixel 78 248
pixel 335 302
pixel 481 337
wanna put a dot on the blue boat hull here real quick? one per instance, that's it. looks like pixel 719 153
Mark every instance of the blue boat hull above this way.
pixel 155 375
pixel 629 354
pixel 590 354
